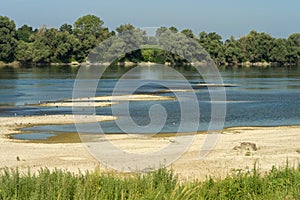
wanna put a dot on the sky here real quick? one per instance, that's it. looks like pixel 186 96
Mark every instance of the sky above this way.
pixel 279 18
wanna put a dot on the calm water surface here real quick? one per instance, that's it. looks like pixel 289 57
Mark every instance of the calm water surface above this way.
pixel 261 96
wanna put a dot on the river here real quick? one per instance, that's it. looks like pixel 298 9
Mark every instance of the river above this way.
pixel 257 96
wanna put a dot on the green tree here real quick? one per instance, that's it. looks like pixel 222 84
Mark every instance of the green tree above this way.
pixel 188 33
pixel 294 39
pixel 60 45
pixel 88 29
pixel 179 49
pixel 25 33
pixel 256 47
pixel 50 45
pixel 125 27
pixel 279 52
pixel 127 43
pixel 153 55
pixel 133 38
pixel 166 39
pixel 24 52
pixel 264 44
pixel 293 55
pixel 232 51
pixel 8 41
pixel 40 49
pixel 40 52
pixel 66 28
pixel 88 25
pixel 104 34
pixel 160 31
pixel 173 29
pixel 212 43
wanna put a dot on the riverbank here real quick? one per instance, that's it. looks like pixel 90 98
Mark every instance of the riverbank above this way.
pixel 237 149
pixel 131 64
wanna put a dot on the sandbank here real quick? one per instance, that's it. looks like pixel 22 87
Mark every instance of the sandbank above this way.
pixel 128 97
pixel 76 104
pixel 104 100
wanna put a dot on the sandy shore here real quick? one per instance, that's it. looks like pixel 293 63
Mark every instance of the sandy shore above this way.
pixel 275 145
pixel 71 156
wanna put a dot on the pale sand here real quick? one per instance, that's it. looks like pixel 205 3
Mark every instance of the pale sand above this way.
pixel 216 85
pixel 110 100
pixel 129 97
pixel 70 156
pixel 177 90
pixel 76 104
pixel 275 146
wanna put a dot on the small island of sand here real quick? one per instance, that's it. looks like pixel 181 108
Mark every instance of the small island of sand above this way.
pixel 103 101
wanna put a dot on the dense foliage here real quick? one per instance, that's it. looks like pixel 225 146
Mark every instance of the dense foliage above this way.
pixel 162 184
pixel 71 43
pixel 8 40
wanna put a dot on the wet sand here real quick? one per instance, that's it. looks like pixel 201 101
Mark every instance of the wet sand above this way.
pixel 275 145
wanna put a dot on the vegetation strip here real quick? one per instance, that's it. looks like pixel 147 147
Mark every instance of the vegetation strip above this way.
pixel 162 184
pixel 72 43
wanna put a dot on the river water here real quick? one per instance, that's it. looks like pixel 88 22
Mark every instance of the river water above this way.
pixel 257 96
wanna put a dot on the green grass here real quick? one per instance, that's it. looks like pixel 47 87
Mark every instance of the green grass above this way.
pixel 162 184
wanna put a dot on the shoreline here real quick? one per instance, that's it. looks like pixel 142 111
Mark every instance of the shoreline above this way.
pixel 273 147
pixel 17 64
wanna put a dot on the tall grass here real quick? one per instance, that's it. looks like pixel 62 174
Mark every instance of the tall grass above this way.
pixel 162 184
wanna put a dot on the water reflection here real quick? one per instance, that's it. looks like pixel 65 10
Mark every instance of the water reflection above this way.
pixel 8 73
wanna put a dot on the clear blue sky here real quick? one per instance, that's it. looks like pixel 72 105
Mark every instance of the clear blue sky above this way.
pixel 226 17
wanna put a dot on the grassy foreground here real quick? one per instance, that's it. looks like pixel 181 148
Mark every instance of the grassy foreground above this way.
pixel 277 184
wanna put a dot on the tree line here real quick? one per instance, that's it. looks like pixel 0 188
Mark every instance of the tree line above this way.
pixel 73 43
